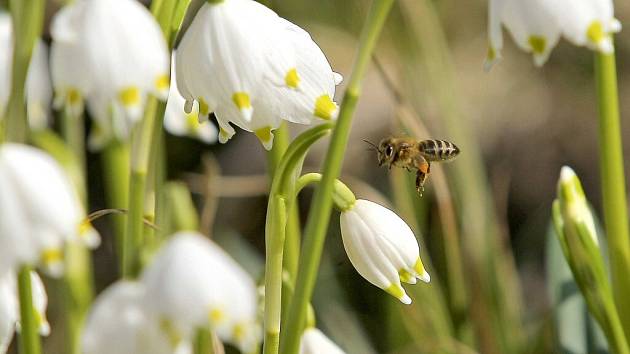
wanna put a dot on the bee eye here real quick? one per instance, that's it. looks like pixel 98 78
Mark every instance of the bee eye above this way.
pixel 388 151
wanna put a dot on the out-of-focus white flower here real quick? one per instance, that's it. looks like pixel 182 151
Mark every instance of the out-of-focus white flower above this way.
pixel 536 25
pixel 315 342
pixel 112 50
pixel 10 310
pixel 574 206
pixel 39 210
pixel 118 323
pixel 38 86
pixel 264 69
pixel 193 283
pixel 382 247
pixel 180 123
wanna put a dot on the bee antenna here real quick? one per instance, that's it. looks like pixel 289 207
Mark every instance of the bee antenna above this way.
pixel 372 144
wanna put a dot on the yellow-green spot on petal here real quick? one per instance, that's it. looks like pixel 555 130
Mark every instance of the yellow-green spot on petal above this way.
pixel 405 276
pixel 84 227
pixel 241 100
pixel 73 97
pixel 161 82
pixel 174 337
pixel 239 331
pixel 419 267
pixel 595 32
pixel 51 256
pixel 324 107
pixel 129 96
pixel 192 122
pixel 396 291
pixel 538 44
pixel 204 108
pixel 292 79
pixel 264 134
pixel 224 134
pixel 216 316
pixel 492 54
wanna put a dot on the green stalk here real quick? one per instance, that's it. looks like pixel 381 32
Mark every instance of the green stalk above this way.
pixel 115 161
pixel 292 238
pixel 203 342
pixel 72 131
pixel 319 215
pixel 613 184
pixel 29 336
pixel 140 152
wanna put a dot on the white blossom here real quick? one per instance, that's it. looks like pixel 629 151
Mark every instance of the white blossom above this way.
pixel 315 342
pixel 119 323
pixel 193 283
pixel 382 247
pixel 38 87
pixel 264 69
pixel 588 23
pixel 39 210
pixel 112 53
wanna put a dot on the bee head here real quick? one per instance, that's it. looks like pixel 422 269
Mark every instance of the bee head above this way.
pixel 386 152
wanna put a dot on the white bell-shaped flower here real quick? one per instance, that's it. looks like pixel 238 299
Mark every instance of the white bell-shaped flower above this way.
pixel 180 123
pixel 38 86
pixel 10 308
pixel 533 24
pixel 264 69
pixel 39 210
pixel 193 283
pixel 588 23
pixel 112 49
pixel 119 323
pixel 315 342
pixel 382 247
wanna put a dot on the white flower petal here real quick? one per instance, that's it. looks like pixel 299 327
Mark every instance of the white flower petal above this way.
pixel 38 88
pixel 315 342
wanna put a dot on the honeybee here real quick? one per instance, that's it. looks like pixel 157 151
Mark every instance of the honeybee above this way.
pixel 409 154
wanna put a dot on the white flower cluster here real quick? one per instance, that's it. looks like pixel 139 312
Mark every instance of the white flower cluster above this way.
pixel 253 68
pixel 111 53
pixel 38 86
pixel 537 25
pixel 382 248
pixel 191 283
pixel 39 210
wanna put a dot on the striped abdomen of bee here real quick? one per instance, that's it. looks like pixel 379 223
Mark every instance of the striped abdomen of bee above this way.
pixel 438 150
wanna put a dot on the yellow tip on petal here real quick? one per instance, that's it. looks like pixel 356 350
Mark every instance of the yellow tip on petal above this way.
pixel 398 292
pixel 595 32
pixel 325 108
pixel 162 83
pixel 538 44
pixel 238 332
pixel 204 107
pixel 265 136
pixel 292 79
pixel 421 272
pixel 406 276
pixel 224 135
pixel 216 316
pixel 51 255
pixel 192 122
pixel 241 100
pixel 129 96
pixel 73 97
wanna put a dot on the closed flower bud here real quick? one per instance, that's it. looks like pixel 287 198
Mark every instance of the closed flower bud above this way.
pixel 113 51
pixel 382 247
pixel 315 342
pixel 39 210
pixel 264 69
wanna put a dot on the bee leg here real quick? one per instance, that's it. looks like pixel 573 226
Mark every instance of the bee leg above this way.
pixel 420 178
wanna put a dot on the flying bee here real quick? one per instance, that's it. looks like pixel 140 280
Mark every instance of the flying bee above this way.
pixel 411 154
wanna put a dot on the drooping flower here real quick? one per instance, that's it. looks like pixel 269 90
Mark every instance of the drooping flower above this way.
pixel 111 51
pixel 264 69
pixel 10 311
pixel 193 283
pixel 536 25
pixel 119 323
pixel 382 247
pixel 39 210
pixel 38 87
pixel 180 123
pixel 315 342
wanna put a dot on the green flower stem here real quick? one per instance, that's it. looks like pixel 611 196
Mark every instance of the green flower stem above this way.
pixel 140 152
pixel 203 342
pixel 343 198
pixel 73 133
pixel 319 215
pixel 27 18
pixel 115 161
pixel 292 238
pixel 282 191
pixel 613 184
pixel 29 336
